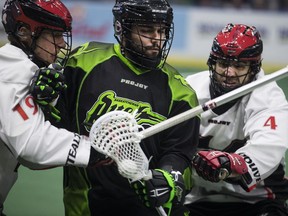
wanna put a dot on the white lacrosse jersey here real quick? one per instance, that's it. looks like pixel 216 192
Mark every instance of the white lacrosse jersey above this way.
pixel 256 127
pixel 25 136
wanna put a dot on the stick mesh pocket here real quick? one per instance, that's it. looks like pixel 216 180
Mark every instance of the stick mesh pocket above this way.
pixel 116 134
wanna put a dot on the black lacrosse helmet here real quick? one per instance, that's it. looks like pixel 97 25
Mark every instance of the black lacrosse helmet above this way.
pixel 143 12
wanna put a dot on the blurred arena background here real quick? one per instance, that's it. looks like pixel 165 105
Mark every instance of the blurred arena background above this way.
pixel 39 193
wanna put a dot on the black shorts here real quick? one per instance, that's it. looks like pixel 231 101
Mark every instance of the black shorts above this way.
pixel 262 208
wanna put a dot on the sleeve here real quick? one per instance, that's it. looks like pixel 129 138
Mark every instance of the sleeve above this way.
pixel 35 142
pixel 266 128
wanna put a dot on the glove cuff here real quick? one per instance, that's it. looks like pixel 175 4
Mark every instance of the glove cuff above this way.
pixel 170 181
pixel 176 182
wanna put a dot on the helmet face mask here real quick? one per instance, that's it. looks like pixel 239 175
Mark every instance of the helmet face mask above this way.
pixel 37 16
pixel 235 46
pixel 134 17
pixel 223 82
pixel 52 46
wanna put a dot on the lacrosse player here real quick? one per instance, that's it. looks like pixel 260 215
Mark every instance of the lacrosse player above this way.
pixel 239 166
pixel 37 31
pixel 131 75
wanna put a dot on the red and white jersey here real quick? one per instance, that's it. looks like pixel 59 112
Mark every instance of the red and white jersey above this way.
pixel 25 136
pixel 255 127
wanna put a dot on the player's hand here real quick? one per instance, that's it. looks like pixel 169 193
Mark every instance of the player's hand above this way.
pixel 163 188
pixel 216 165
pixel 47 83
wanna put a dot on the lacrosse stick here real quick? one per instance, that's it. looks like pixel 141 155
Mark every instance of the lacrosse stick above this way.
pixel 116 134
pixel 216 102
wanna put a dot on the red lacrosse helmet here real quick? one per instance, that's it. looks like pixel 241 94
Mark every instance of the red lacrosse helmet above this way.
pixel 37 15
pixel 235 43
pixel 238 43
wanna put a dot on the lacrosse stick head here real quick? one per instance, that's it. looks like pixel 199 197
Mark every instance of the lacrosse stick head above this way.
pixel 117 135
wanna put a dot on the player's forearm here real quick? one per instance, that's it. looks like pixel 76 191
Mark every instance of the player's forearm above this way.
pixel 54 147
pixel 34 140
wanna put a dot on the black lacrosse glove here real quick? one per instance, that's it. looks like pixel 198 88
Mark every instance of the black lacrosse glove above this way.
pixel 164 189
pixel 216 165
pixel 46 85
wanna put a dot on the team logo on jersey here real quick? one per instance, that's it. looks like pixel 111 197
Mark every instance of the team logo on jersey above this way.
pixel 252 166
pixel 108 101
pixel 159 192
pixel 73 150
pixel 221 122
pixel 133 83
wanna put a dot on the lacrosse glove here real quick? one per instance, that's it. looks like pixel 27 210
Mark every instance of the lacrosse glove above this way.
pixel 163 189
pixel 45 87
pixel 216 165
pixel 47 83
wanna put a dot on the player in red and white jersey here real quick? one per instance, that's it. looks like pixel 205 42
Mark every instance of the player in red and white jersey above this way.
pixel 242 142
pixel 39 33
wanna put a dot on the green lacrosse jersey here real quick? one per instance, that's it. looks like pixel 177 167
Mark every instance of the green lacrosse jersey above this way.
pixel 100 79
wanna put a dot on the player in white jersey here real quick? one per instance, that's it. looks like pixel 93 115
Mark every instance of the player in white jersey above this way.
pixel 38 31
pixel 244 141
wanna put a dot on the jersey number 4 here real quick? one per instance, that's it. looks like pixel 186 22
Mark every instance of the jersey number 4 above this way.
pixel 271 122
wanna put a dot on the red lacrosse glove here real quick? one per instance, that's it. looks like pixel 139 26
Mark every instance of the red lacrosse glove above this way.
pixel 216 165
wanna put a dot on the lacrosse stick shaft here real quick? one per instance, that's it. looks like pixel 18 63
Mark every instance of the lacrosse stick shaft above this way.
pixel 161 211
pixel 211 104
